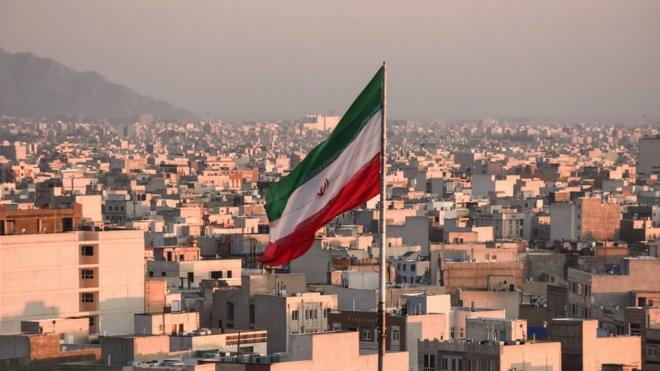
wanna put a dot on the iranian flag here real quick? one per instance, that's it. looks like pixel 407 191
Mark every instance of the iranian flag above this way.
pixel 340 174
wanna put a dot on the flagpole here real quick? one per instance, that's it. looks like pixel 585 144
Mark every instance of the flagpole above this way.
pixel 382 335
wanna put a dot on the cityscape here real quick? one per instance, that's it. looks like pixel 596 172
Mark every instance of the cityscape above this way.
pixel 138 235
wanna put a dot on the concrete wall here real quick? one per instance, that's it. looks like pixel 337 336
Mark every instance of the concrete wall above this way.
pixel 314 264
pixel 421 327
pixel 507 300
pixel 599 221
pixel 14 346
pixel 648 159
pixel 226 342
pixel 531 356
pixel 353 299
pixel 167 323
pixel 92 208
pixel 583 350
pixel 75 330
pixel 496 329
pixel 345 355
pixel 458 320
pixel 562 222
pixel 482 275
pixel 414 231
pixel 124 350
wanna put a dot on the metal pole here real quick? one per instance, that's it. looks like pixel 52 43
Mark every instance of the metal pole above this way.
pixel 382 227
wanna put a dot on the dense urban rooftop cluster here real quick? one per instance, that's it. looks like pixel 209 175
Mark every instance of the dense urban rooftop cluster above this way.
pixel 511 246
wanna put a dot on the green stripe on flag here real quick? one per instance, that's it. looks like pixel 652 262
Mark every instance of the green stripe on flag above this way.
pixel 363 108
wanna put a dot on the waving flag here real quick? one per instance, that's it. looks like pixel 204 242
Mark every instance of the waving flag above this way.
pixel 340 174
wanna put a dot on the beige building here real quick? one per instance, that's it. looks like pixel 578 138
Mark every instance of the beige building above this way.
pixel 189 274
pixel 274 302
pixel 590 294
pixel 69 330
pixel 490 275
pixel 176 323
pixel 403 330
pixel 583 350
pixel 321 352
pixel 587 218
pixel 496 329
pixel 98 275
pixel 283 316
pixel 463 355
pixel 41 352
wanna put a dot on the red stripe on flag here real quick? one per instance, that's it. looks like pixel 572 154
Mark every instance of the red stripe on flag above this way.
pixel 362 187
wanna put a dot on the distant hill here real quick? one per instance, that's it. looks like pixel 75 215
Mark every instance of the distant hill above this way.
pixel 31 86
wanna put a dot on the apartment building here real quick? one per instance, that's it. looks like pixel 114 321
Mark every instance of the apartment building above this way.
pixel 403 330
pixel 584 349
pixel 319 352
pixel 488 355
pixel 278 303
pixel 97 275
pixel 592 293
pixel 587 218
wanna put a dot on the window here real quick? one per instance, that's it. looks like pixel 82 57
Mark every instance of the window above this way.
pixel 326 311
pixel 366 334
pixel 87 250
pixel 91 321
pixel 443 363
pixel 151 273
pixel 452 333
pixel 652 351
pixel 216 274
pixel 294 315
pixel 252 313
pixel 67 224
pixel 87 297
pixel 395 334
pixel 230 311
pixel 429 361
pixel 228 274
pixel 87 274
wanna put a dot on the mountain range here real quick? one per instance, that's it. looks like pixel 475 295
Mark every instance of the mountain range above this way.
pixel 36 87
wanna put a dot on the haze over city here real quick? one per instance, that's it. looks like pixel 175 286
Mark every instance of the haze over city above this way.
pixel 339 185
pixel 449 60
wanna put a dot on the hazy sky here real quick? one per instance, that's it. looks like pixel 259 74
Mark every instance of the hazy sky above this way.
pixel 277 59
